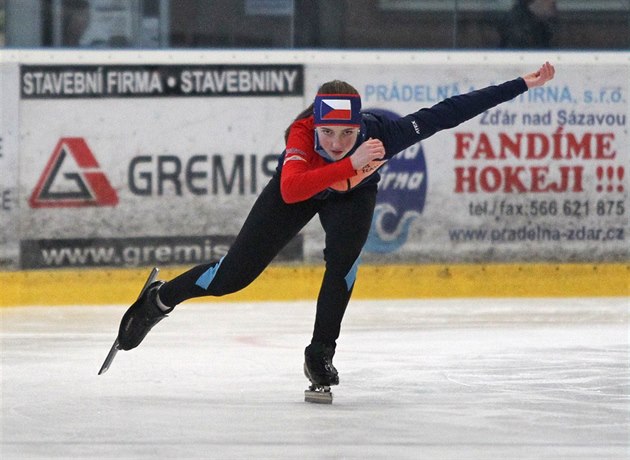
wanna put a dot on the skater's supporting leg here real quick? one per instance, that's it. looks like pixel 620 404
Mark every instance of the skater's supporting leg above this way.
pixel 346 220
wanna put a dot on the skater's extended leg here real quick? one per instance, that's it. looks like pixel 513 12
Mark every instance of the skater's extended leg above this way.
pixel 270 225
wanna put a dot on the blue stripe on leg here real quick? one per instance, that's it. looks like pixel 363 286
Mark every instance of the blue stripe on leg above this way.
pixel 352 274
pixel 206 277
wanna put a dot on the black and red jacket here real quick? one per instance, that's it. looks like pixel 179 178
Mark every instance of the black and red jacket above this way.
pixel 305 174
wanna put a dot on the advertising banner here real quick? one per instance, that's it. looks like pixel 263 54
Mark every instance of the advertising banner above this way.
pixel 541 178
pixel 145 164
pixel 130 164
pixel 9 236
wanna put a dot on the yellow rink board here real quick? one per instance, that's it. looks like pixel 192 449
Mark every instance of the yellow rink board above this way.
pixel 121 286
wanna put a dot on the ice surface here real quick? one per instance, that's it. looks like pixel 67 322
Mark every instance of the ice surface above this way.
pixel 449 379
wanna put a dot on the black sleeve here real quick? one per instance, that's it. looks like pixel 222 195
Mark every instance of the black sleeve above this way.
pixel 399 134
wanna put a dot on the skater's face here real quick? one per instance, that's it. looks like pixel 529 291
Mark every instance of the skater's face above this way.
pixel 337 141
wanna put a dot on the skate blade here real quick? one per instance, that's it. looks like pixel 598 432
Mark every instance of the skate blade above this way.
pixel 110 357
pixel 318 395
pixel 114 349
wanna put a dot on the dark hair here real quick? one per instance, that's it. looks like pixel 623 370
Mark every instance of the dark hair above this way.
pixel 330 87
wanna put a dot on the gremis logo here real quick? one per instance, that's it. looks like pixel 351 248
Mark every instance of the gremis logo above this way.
pixel 72 178
pixel 401 197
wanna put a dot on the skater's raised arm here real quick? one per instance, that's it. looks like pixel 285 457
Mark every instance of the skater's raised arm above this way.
pixel 399 134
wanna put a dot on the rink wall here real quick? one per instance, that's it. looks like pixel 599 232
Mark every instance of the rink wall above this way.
pixel 114 161
pixel 93 287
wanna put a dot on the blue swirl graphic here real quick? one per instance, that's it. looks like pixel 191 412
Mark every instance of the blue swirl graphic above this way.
pixel 401 197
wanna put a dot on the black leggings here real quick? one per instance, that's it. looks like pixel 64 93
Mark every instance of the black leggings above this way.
pixel 270 225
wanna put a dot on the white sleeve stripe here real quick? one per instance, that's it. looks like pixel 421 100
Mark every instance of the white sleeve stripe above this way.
pixel 294 157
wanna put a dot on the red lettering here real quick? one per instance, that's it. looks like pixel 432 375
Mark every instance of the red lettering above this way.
pixel 602 146
pixel 513 146
pixel 484 147
pixel 462 143
pixel 574 147
pixel 490 179
pixel 537 146
pixel 519 179
pixel 539 177
pixel 513 182
pixel 465 180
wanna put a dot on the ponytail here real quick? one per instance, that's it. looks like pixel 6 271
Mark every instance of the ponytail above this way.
pixel 307 112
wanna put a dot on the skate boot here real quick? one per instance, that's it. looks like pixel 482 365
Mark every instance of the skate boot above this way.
pixel 319 369
pixel 140 318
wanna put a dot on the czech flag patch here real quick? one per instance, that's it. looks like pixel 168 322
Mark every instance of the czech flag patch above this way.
pixel 333 109
pixel 336 109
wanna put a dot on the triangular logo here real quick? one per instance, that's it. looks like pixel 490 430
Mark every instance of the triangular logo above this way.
pixel 72 178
